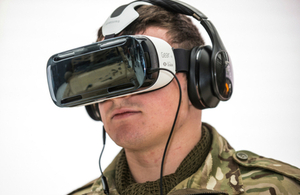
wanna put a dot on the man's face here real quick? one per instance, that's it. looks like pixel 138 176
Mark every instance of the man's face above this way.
pixel 145 120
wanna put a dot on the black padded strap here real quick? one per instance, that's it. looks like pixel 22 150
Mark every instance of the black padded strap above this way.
pixel 182 59
pixel 178 7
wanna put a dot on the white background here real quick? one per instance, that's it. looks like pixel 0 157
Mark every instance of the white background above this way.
pixel 49 150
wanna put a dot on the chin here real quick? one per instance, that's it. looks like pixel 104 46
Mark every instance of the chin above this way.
pixel 129 137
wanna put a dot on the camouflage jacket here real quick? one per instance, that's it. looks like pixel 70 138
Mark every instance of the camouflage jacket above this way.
pixel 224 171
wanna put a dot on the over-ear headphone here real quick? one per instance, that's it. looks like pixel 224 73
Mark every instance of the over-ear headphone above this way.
pixel 210 75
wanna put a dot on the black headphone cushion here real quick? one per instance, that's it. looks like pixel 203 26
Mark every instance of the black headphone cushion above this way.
pixel 200 79
pixel 93 111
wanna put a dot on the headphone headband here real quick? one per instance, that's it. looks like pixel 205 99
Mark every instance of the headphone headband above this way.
pixel 179 7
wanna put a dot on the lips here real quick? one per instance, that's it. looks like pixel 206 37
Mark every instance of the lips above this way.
pixel 123 113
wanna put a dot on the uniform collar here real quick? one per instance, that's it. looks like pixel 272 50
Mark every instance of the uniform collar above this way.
pixel 218 174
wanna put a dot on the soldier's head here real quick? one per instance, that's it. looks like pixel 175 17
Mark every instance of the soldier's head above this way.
pixel 144 120
pixel 133 76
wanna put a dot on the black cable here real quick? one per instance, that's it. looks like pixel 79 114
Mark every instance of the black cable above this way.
pixel 103 178
pixel 171 132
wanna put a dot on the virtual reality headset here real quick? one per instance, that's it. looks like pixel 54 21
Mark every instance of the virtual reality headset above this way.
pixel 131 64
pixel 112 68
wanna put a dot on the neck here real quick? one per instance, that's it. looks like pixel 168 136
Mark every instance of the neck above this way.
pixel 145 165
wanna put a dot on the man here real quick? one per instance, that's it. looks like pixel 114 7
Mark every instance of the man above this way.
pixel 198 159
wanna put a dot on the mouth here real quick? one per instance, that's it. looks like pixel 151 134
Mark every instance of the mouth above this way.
pixel 123 114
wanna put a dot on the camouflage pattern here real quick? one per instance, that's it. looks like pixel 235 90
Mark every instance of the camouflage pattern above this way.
pixel 224 171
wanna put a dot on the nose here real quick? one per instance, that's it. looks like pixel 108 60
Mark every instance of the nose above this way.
pixel 107 106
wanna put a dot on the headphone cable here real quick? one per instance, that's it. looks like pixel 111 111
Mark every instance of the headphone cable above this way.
pixel 103 178
pixel 171 132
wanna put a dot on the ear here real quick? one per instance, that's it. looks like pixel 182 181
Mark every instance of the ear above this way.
pixel 93 111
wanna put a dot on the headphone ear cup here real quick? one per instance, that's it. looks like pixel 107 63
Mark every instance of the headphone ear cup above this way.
pixel 200 87
pixel 93 111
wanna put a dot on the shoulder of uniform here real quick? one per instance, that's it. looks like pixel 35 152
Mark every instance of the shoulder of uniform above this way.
pixel 250 159
pixel 83 189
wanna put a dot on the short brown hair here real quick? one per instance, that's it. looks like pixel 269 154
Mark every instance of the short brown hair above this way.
pixel 181 30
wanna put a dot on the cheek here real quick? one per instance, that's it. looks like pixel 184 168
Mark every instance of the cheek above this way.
pixel 103 108
pixel 162 104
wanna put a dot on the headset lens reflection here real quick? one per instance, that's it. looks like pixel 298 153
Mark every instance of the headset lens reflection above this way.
pixel 97 71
